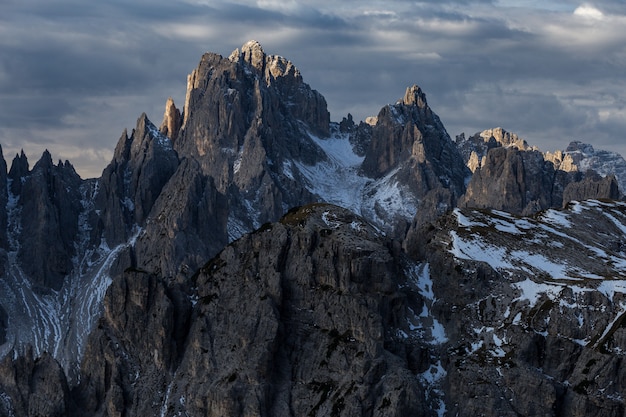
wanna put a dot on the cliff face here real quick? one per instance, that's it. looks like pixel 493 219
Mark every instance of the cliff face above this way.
pixel 245 117
pixel 395 304
pixel 410 147
pixel 320 314
pixel 299 318
pixel 523 182
pixel 531 307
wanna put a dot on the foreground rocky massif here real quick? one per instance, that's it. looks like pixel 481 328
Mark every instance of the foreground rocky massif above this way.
pixel 250 257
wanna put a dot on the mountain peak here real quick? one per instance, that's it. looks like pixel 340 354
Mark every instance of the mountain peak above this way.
pixel 414 96
pixel 172 120
pixel 251 53
pixel 45 161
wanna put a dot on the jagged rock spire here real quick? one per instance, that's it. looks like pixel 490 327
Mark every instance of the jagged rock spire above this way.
pixel 172 120
pixel 414 96
pixel 253 54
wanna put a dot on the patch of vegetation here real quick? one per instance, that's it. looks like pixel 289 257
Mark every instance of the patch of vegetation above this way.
pixel 297 216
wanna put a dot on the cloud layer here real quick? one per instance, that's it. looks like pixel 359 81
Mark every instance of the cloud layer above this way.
pixel 75 74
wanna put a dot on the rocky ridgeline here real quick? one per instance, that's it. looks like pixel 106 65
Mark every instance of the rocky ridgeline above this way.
pixel 532 308
pixel 510 175
pixel 320 311
pixel 280 323
pixel 410 146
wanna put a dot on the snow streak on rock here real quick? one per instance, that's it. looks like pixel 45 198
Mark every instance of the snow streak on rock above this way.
pixel 338 180
pixel 57 321
pixel 554 262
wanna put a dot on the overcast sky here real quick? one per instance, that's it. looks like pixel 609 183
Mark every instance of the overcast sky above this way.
pixel 74 74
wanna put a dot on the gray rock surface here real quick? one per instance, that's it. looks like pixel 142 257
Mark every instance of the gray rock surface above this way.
pixel 410 146
pixel 593 186
pixel 474 149
pixel 531 308
pixel 418 310
pixel 520 182
pixel 187 225
pixel 172 120
pixel 33 387
pixel 49 205
pixel 131 183
pixel 297 318
pixel 523 182
pixel 585 157
pixel 4 199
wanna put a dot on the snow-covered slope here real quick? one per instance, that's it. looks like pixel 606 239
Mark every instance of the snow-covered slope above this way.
pixel 523 302
pixel 339 180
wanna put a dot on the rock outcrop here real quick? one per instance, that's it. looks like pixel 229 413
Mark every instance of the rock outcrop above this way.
pixel 142 164
pixel 172 120
pixel 33 387
pixel 408 307
pixel 410 146
pixel 593 186
pixel 4 200
pixel 474 149
pixel 48 205
pixel 519 182
pixel 188 225
pixel 19 169
pixel 245 117
pixel 298 318
pixel 605 163
pixel 531 308
pixel 523 182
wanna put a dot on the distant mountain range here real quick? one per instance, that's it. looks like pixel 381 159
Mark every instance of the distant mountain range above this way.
pixel 249 257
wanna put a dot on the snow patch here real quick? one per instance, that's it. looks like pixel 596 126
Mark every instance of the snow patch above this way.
pixel 336 180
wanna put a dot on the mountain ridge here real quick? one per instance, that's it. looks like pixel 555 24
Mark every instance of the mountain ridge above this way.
pixel 237 178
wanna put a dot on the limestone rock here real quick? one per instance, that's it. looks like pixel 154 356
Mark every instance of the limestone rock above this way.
pixel 474 149
pixel 137 343
pixel 521 340
pixel 33 387
pixel 172 120
pixel 187 225
pixel 519 182
pixel 244 118
pixel 49 204
pixel 298 318
pixel 593 186
pixel 19 170
pixel 131 183
pixel 605 163
pixel 523 182
pixel 410 146
pixel 4 199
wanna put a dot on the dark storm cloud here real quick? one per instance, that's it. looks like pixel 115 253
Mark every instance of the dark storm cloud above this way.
pixel 73 74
